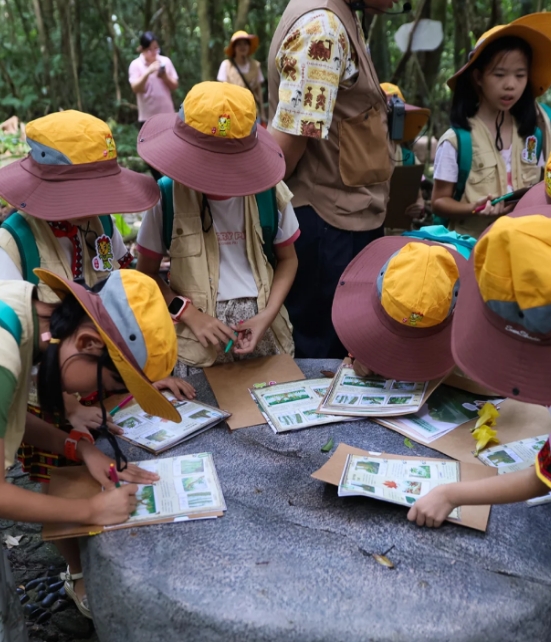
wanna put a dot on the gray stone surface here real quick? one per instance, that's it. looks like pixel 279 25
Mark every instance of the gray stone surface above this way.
pixel 291 561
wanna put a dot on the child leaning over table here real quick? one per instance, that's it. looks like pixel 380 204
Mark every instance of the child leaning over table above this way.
pixel 226 221
pixel 70 178
pixel 501 338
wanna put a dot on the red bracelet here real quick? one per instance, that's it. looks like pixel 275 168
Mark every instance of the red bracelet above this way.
pixel 71 443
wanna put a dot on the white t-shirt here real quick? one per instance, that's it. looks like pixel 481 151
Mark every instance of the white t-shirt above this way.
pixel 236 279
pixel 9 271
pixel 244 69
pixel 446 167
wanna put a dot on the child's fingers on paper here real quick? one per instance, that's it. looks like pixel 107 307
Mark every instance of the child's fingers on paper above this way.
pixel 138 475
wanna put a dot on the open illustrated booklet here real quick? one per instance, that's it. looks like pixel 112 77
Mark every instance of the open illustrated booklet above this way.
pixel 402 480
pixel 354 396
pixel 157 435
pixel 294 405
pixel 188 489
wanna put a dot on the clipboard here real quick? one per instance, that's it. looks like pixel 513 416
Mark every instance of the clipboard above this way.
pixel 475 517
pixel 404 191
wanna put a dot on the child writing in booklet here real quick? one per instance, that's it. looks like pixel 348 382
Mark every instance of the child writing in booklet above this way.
pixel 226 221
pixel 69 179
pixel 500 338
pixel 495 143
pixel 119 338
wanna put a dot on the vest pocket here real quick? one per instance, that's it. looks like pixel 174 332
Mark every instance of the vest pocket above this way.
pixel 187 236
pixel 364 157
pixel 484 169
pixel 530 174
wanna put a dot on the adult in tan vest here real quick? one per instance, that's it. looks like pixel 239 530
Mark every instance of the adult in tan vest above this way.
pixel 329 116
pixel 240 69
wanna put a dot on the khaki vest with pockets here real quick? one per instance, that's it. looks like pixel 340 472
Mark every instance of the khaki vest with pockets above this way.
pixel 488 173
pixel 195 269
pixel 52 256
pixel 18 360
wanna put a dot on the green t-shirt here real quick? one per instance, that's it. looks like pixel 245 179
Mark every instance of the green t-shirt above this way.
pixel 8 383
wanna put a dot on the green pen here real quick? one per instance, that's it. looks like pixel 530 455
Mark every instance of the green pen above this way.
pixel 230 344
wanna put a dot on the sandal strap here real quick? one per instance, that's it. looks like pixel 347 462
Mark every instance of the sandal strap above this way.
pixel 70 577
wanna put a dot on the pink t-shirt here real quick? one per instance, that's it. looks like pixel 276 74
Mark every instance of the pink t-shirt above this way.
pixel 157 98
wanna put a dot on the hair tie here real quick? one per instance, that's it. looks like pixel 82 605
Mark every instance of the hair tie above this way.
pixel 46 336
pixel 54 341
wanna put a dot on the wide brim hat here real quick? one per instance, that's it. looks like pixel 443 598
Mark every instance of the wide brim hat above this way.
pixel 387 347
pixel 72 172
pixel 495 352
pixel 113 325
pixel 216 148
pixel 540 21
pixel 540 43
pixel 242 35
pixel 534 197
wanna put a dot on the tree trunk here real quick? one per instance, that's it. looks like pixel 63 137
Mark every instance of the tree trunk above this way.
pixel 211 24
pixel 242 17
pixel 203 7
pixel 400 68
pixel 430 61
pixel 462 39
pixel 378 45
pixel 44 50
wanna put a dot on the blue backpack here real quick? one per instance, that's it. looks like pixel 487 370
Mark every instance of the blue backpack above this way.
pixel 10 322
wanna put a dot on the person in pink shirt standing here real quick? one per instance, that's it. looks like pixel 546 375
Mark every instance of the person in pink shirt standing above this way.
pixel 153 78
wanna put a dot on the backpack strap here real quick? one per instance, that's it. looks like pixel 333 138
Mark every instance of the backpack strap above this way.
pixel 107 224
pixel 167 203
pixel 22 234
pixel 408 157
pixel 269 221
pixel 10 322
pixel 464 160
pixel 539 142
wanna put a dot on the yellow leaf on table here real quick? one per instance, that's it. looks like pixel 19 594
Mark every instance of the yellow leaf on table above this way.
pixel 484 435
pixel 488 415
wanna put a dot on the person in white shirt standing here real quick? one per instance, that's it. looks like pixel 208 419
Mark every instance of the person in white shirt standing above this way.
pixel 153 78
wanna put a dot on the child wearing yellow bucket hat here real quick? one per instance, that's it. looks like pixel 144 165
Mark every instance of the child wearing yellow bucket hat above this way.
pixel 64 191
pixel 240 69
pixel 394 305
pixel 495 144
pixel 225 219
pixel 501 337
pixel 121 336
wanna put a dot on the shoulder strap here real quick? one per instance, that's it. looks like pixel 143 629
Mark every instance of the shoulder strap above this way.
pixel 539 142
pixel 408 157
pixel 167 203
pixel 269 221
pixel 107 224
pixel 234 64
pixel 10 322
pixel 464 160
pixel 23 236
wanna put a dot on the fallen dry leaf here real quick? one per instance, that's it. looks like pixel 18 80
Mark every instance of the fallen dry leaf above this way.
pixel 10 541
pixel 383 560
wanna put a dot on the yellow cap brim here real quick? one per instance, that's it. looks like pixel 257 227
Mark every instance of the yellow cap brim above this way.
pixel 415 120
pixel 145 394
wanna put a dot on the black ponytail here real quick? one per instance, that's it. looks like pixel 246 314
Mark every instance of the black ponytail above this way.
pixel 65 321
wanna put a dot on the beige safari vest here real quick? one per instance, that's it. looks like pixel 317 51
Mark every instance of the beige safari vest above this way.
pixel 345 178
pixel 52 256
pixel 488 173
pixel 18 360
pixel 195 269
pixel 251 76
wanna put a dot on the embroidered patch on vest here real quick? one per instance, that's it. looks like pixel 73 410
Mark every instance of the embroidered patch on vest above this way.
pixel 529 150
pixel 102 262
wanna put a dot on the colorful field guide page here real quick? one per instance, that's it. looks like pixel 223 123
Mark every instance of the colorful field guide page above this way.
pixel 516 455
pixel 371 396
pixel 188 486
pixel 400 481
pixel 294 405
pixel 157 435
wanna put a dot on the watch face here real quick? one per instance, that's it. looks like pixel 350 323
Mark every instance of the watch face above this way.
pixel 175 306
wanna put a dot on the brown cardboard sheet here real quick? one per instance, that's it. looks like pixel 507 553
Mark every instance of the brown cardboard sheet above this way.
pixel 75 482
pixel 516 421
pixel 472 516
pixel 404 191
pixel 230 383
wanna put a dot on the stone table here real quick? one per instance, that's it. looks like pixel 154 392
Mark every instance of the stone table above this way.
pixel 292 562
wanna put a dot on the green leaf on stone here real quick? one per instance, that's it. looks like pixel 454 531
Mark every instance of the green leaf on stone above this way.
pixel 407 443
pixel 328 446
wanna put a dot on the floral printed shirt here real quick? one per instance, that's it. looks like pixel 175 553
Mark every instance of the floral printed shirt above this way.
pixel 315 58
